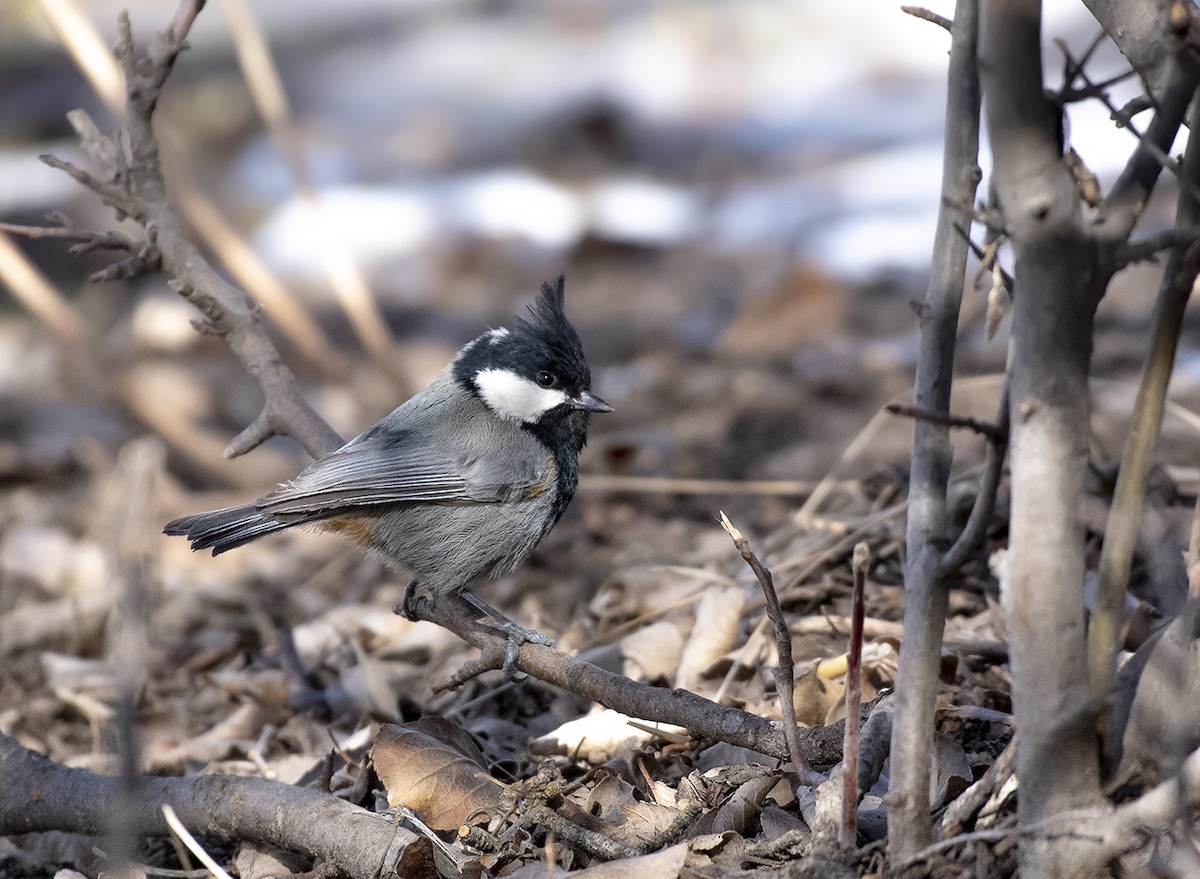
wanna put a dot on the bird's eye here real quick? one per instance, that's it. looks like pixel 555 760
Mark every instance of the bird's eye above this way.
pixel 545 379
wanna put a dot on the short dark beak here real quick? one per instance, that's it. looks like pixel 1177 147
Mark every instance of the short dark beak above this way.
pixel 589 402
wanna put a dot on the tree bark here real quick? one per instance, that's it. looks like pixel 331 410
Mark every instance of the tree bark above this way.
pixel 1057 287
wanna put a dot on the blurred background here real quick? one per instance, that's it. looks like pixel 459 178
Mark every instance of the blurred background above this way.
pixel 742 196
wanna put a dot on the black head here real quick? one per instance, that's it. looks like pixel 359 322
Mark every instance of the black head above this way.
pixel 536 373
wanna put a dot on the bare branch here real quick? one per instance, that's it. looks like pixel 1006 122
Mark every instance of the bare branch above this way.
pixel 318 824
pixel 990 432
pixel 848 829
pixel 822 745
pixel 785 672
pixel 140 192
pixel 1125 203
pixel 925 592
pixel 1152 245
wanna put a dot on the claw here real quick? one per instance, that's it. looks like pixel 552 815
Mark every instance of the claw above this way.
pixel 509 668
pixel 517 635
pixel 407 607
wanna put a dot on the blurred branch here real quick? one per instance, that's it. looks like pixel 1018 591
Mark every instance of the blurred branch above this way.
pixel 1129 195
pixel 134 187
pixel 1152 245
pixel 344 275
pixel 928 15
pixel 1125 515
pixel 1136 27
pixel 974 532
pixel 41 795
pixel 32 290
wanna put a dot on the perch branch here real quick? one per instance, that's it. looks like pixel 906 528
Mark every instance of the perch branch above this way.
pixel 700 716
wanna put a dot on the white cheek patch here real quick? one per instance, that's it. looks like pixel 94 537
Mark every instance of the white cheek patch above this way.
pixel 512 396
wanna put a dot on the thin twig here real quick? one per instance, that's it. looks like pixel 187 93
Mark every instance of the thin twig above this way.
pixel 926 592
pixel 190 841
pixel 970 540
pixel 985 429
pixel 928 15
pixel 848 831
pixel 1152 245
pixel 785 671
pixel 1129 195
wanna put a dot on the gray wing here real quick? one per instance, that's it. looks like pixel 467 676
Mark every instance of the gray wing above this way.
pixel 396 466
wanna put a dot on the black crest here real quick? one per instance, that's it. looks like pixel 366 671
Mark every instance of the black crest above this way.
pixel 548 335
pixel 542 340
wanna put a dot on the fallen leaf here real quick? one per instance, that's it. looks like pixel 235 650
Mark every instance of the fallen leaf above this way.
pixel 652 652
pixel 433 768
pixel 814 698
pixel 718 616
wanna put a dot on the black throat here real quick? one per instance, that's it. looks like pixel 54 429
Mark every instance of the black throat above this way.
pixel 564 435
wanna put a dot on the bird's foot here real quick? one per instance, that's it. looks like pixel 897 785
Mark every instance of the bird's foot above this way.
pixel 517 635
pixel 407 607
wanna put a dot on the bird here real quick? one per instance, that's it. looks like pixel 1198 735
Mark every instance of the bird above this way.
pixel 461 481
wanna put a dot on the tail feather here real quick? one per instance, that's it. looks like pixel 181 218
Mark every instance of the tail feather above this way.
pixel 220 530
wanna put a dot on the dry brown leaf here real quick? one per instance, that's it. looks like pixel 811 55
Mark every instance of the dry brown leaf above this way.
pixel 814 698
pixel 607 798
pixel 950 773
pixel 718 615
pixel 433 768
pixel 644 822
pixel 740 812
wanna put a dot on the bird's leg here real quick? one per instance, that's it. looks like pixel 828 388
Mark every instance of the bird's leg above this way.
pixel 517 635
